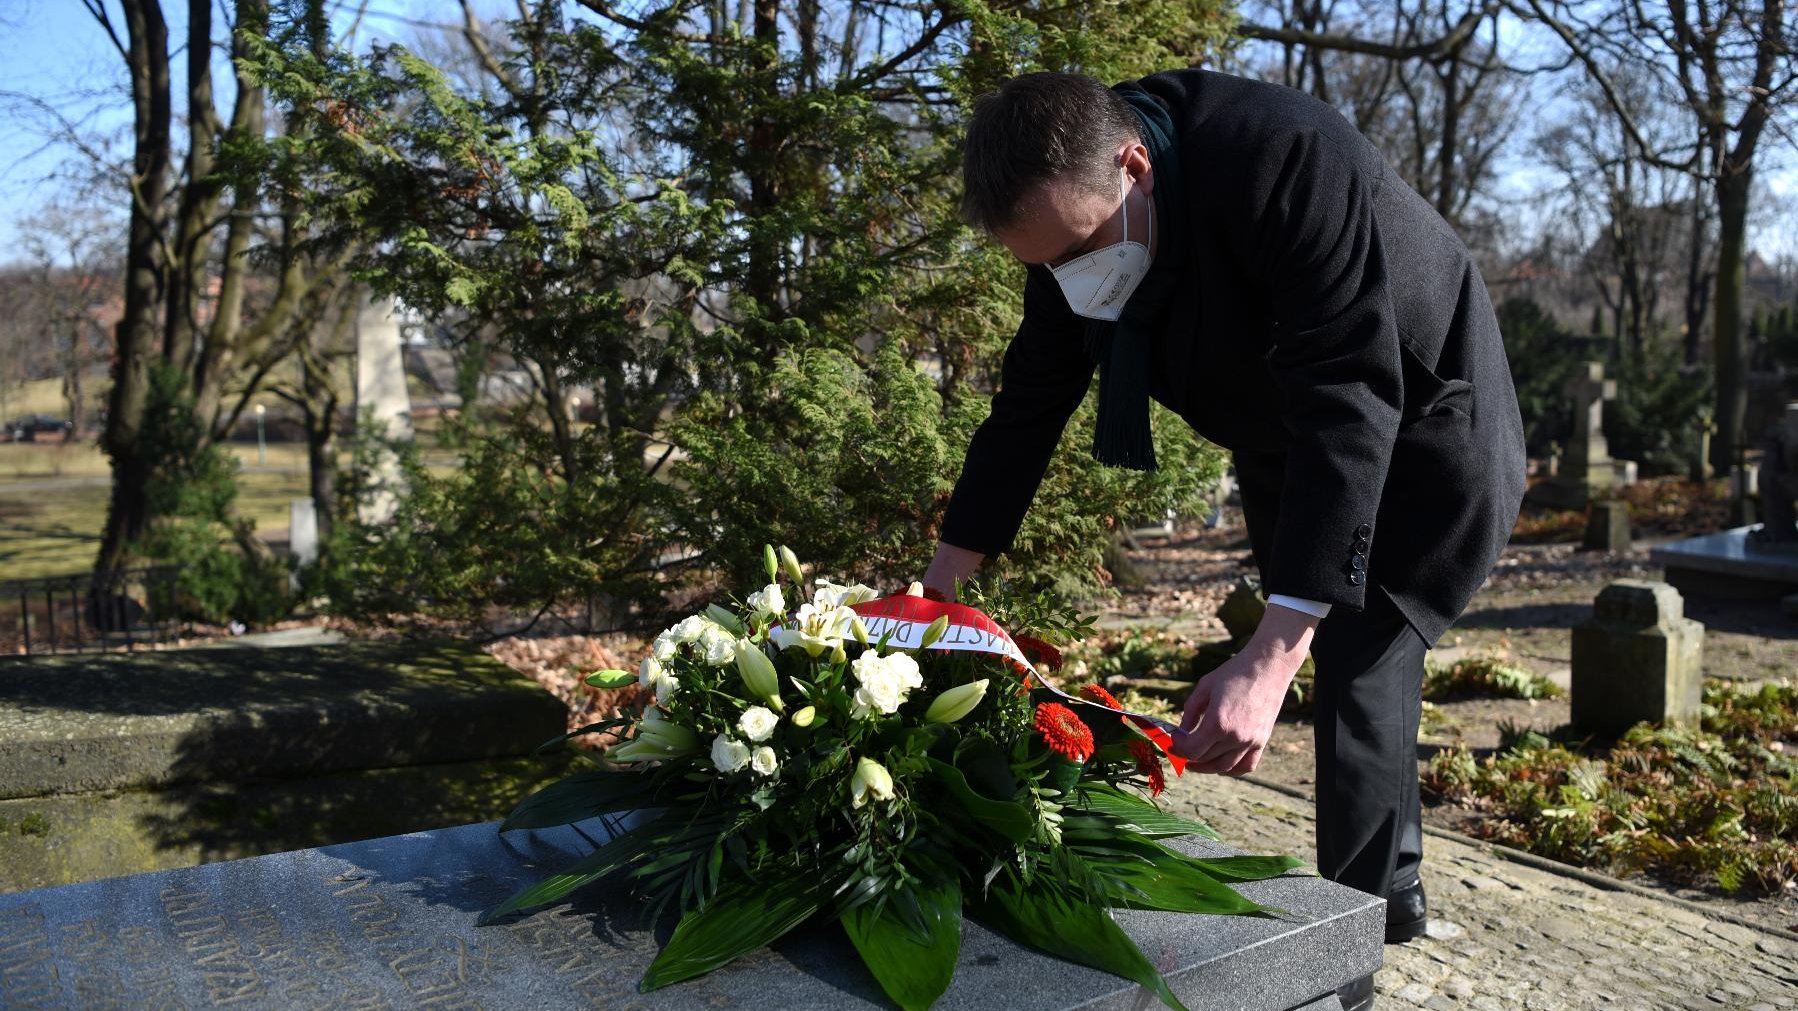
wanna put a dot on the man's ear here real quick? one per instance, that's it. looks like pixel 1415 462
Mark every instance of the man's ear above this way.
pixel 1135 160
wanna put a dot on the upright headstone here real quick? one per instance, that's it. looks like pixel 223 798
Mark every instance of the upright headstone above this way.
pixel 302 531
pixel 1779 479
pixel 1701 470
pixel 1637 658
pixel 381 402
pixel 1607 528
pixel 1586 470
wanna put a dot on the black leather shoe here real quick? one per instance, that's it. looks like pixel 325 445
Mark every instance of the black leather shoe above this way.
pixel 1406 913
pixel 1357 996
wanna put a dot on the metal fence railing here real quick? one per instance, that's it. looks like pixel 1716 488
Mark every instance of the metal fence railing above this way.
pixel 81 613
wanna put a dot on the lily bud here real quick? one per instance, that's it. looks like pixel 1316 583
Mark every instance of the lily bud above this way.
pixel 859 630
pixel 724 619
pixel 871 778
pixel 656 739
pixel 759 674
pixel 790 562
pixel 957 702
pixel 936 631
pixel 610 678
pixel 769 563
pixel 839 655
pixel 916 589
pixel 804 717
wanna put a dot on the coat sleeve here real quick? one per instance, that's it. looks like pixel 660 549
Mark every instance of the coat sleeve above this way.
pixel 1307 228
pixel 1043 378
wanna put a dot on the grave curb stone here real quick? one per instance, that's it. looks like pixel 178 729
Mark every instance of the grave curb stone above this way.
pixel 149 720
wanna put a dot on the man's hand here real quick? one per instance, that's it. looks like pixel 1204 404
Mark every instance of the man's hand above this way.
pixel 1234 707
pixel 951 565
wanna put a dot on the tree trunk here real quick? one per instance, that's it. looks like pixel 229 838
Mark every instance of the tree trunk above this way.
pixel 1698 279
pixel 146 281
pixel 1729 351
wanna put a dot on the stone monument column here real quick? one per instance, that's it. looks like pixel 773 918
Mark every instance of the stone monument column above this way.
pixel 382 403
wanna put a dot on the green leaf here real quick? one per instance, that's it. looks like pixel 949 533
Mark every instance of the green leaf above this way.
pixel 913 970
pixel 1246 868
pixel 577 798
pixel 1044 916
pixel 611 678
pixel 1010 820
pixel 742 917
pixel 1174 885
pixel 1135 813
pixel 591 728
pixel 616 854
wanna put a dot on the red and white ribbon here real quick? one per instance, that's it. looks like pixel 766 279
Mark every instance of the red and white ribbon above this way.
pixel 903 619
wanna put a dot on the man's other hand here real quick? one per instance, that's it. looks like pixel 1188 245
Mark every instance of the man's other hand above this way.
pixel 1231 712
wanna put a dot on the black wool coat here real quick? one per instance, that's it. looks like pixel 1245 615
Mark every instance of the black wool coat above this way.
pixel 1334 335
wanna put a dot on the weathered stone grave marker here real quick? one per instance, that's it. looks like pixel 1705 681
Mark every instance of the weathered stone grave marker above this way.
pixel 1637 658
pixel 1587 469
pixel 1607 528
pixel 390 923
pixel 381 400
pixel 302 530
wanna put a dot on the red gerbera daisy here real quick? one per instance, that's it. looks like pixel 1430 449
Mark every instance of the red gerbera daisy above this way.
pixel 1063 731
pixel 1149 764
pixel 1095 693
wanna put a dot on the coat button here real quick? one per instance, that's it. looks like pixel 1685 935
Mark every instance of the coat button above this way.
pixel 1358 563
pixel 1364 529
pixel 1360 545
pixel 1357 578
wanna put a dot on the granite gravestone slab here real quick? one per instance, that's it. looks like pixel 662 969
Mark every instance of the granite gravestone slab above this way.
pixel 1729 564
pixel 390 923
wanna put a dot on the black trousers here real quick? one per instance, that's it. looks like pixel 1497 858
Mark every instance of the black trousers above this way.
pixel 1368 700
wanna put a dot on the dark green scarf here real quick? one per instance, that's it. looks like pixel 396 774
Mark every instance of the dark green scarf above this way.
pixel 1122 348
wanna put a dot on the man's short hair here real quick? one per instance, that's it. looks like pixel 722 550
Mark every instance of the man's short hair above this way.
pixel 1034 128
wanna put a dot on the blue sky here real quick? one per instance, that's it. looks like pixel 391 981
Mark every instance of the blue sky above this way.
pixel 53 50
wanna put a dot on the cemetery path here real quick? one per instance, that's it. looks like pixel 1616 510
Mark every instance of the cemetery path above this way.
pixel 1507 936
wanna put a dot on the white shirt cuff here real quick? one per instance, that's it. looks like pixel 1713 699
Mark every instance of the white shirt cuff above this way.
pixel 1311 607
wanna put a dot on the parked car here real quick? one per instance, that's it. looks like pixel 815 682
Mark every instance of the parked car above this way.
pixel 31 426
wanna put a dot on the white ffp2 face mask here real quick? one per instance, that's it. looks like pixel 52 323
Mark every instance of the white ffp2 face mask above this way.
pixel 1098 284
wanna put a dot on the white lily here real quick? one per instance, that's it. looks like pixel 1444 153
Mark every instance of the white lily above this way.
pixel 815 629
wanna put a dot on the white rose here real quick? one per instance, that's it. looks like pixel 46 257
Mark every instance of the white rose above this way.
pixel 729 755
pixel 883 682
pixel 757 722
pixel 764 762
pixel 768 601
pixel 688 629
pixel 663 648
pixel 719 646
pixel 657 678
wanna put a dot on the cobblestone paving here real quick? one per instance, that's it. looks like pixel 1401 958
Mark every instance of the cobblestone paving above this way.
pixel 1505 936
